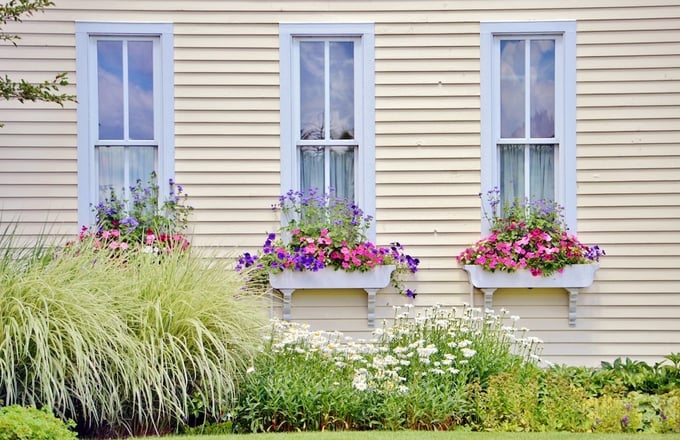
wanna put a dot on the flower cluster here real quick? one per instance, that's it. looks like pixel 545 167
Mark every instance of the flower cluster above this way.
pixel 439 343
pixel 141 222
pixel 529 235
pixel 322 231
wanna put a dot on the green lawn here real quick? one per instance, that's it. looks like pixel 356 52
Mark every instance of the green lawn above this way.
pixel 423 435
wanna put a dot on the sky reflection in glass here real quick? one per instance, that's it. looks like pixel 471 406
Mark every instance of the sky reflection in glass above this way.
pixel 342 89
pixel 312 90
pixel 112 88
pixel 513 83
pixel 322 91
pixel 542 88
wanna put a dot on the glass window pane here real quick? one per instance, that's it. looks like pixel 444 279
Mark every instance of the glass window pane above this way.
pixel 110 89
pixel 342 89
pixel 140 89
pixel 342 171
pixel 312 90
pixel 512 74
pixel 542 88
pixel 119 167
pixel 111 166
pixel 542 172
pixel 142 162
pixel 312 168
pixel 512 174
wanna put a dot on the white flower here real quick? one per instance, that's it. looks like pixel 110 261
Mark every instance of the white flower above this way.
pixel 250 370
pixel 468 352
pixel 360 385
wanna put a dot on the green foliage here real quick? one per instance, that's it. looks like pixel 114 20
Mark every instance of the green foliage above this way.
pixel 623 376
pixel 411 375
pixel 21 90
pixel 14 9
pixel 614 414
pixel 25 423
pixel 539 401
pixel 142 221
pixel 122 346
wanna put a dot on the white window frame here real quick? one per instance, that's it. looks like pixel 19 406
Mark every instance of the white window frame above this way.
pixel 364 117
pixel 86 89
pixel 565 107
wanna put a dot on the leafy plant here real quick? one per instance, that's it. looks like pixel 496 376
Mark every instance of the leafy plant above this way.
pixel 628 375
pixel 22 90
pixel 27 423
pixel 324 231
pixel 142 222
pixel 528 235
pixel 614 414
pixel 531 400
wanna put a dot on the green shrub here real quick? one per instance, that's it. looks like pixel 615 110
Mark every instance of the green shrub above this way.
pixel 611 413
pixel 22 423
pixel 122 345
pixel 531 400
pixel 668 412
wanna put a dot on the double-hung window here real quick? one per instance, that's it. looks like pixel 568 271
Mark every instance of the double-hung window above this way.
pixel 125 108
pixel 327 109
pixel 528 112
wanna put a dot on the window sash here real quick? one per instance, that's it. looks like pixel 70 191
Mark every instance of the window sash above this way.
pixel 326 157
pixel 526 172
pixel 120 159
pixel 155 79
pixel 523 172
pixel 363 144
pixel 563 140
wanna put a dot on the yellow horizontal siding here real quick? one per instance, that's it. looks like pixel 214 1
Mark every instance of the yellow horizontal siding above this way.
pixel 427 145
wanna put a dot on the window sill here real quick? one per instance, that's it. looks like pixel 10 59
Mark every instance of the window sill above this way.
pixel 571 279
pixel 371 281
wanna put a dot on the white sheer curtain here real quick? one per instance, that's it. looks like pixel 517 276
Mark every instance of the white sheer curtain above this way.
pixel 341 169
pixel 312 170
pixel 542 177
pixel 119 167
pixel 512 174
pixel 514 177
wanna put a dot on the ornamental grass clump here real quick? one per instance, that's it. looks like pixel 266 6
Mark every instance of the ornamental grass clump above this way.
pixel 528 235
pixel 413 374
pixel 324 231
pixel 123 346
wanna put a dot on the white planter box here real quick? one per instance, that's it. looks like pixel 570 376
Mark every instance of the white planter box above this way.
pixel 371 281
pixel 575 276
pixel 572 278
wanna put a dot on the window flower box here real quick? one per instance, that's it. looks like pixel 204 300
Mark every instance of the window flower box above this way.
pixel 572 278
pixel 370 281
